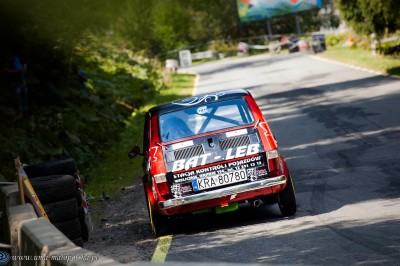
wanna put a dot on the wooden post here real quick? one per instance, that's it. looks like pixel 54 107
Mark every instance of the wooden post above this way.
pixel 25 186
pixel 18 166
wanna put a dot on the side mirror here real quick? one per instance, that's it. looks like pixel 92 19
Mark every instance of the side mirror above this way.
pixel 134 152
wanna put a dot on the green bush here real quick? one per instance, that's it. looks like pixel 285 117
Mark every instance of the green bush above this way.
pixel 68 122
pixel 357 41
pixel 226 48
pixel 390 48
pixel 332 40
pixel 393 51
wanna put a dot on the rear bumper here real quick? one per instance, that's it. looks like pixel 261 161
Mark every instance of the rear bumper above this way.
pixel 215 194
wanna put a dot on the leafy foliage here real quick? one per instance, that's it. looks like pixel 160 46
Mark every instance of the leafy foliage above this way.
pixel 115 171
pixel 393 50
pixel 374 16
pixel 67 122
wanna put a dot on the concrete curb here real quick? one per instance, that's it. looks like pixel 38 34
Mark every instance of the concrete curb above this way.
pixel 10 196
pixel 349 65
pixel 17 215
pixel 35 239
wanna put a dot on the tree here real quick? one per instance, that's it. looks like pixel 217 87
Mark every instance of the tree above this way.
pixel 373 16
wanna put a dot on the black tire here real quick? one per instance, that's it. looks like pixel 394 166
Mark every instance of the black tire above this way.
pixel 61 210
pixel 81 214
pixel 84 231
pixel 70 228
pixel 287 199
pixel 78 197
pixel 158 222
pixel 84 226
pixel 55 167
pixel 54 188
pixel 78 242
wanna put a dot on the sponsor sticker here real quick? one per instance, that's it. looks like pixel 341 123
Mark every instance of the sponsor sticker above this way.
pixel 236 133
pixel 256 163
pixel 181 145
pixel 231 153
pixel 202 110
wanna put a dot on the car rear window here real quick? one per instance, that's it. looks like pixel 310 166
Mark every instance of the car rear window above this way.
pixel 205 118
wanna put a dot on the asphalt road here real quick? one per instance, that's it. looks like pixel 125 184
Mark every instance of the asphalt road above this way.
pixel 339 129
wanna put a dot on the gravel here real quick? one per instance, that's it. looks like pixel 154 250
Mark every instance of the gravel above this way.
pixel 121 229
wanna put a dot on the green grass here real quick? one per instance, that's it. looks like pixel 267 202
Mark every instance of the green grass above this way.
pixel 364 58
pixel 114 171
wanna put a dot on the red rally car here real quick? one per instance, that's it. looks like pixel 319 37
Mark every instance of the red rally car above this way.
pixel 210 153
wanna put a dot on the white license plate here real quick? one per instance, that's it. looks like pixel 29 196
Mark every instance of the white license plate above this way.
pixel 219 180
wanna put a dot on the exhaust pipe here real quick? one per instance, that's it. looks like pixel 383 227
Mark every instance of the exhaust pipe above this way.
pixel 257 203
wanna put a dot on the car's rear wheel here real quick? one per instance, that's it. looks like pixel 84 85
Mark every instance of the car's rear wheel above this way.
pixel 287 199
pixel 158 222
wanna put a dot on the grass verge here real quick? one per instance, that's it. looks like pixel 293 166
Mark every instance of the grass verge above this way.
pixel 364 58
pixel 114 170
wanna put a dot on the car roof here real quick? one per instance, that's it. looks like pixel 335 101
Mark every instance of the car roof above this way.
pixel 198 100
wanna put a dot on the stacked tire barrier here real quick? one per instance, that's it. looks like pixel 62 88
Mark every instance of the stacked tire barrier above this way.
pixel 27 239
pixel 59 189
pixel 36 241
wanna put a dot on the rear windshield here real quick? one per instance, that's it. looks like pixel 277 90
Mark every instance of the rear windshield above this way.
pixel 206 118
